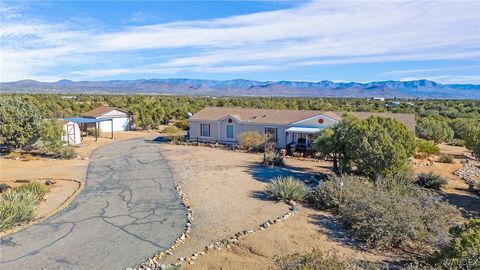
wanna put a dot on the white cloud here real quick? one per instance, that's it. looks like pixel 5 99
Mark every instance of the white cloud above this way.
pixel 316 33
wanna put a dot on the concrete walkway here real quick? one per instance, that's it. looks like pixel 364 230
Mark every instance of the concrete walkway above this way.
pixel 128 211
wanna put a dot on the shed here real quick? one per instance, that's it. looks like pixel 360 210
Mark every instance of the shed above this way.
pixel 71 132
pixel 121 120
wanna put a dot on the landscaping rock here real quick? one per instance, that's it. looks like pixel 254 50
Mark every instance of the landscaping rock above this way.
pixel 4 187
pixel 50 182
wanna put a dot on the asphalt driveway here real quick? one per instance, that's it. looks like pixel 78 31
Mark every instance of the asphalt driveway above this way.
pixel 128 211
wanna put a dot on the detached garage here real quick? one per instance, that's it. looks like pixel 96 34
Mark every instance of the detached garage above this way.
pixel 121 120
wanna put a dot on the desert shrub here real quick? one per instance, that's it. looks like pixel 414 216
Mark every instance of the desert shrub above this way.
pixel 435 129
pixel 91 132
pixel 64 152
pixel 464 249
pixel 13 155
pixel 173 133
pixel 287 188
pixel 445 158
pixel 16 208
pixel 387 214
pixel 424 146
pixel 380 147
pixel 182 124
pixel 251 140
pixel 316 260
pixel 472 140
pixel 27 157
pixel 36 188
pixel 457 142
pixel 270 158
pixel 20 121
pixel 430 180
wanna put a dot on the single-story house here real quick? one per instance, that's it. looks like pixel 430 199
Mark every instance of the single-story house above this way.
pixel 121 120
pixel 224 124
pixel 71 132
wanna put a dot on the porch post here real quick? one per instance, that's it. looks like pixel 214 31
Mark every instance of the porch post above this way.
pixel 96 131
pixel 111 125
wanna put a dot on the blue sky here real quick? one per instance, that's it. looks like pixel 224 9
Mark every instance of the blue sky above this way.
pixel 356 40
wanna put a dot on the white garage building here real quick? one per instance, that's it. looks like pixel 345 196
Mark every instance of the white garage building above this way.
pixel 121 120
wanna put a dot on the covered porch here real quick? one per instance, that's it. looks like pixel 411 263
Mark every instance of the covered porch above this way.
pixel 300 139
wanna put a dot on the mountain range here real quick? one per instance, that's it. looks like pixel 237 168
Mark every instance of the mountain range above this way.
pixel 242 87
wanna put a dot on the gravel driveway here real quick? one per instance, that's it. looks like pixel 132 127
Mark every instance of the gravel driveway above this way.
pixel 128 211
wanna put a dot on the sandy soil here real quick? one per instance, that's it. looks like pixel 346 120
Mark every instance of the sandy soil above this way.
pixel 225 191
pixel 456 190
pixel 224 196
pixel 58 196
pixel 302 233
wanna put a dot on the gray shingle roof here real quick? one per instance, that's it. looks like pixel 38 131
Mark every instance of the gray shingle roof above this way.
pixel 285 117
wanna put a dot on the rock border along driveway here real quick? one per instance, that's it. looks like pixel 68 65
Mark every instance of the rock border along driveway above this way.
pixel 128 211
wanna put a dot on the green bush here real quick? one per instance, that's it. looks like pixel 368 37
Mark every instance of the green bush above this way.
pixel 435 129
pixel 424 146
pixel 173 133
pixel 387 214
pixel 36 188
pixel 16 207
pixel 182 124
pixel 445 158
pixel 457 142
pixel 464 249
pixel 430 180
pixel 270 158
pixel 91 132
pixel 64 152
pixel 251 140
pixel 316 260
pixel 287 188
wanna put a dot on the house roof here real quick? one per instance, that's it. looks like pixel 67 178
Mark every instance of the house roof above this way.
pixel 285 117
pixel 99 111
pixel 262 116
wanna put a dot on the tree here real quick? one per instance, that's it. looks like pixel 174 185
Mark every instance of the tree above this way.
pixel 332 141
pixel 51 134
pixel 472 140
pixel 460 126
pixel 380 147
pixel 20 121
pixel 434 129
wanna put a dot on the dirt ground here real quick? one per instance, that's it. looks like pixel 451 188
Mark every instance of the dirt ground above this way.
pixel 225 189
pixel 456 191
pixel 302 233
pixel 58 196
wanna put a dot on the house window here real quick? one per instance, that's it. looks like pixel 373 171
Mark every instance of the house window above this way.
pixel 229 131
pixel 271 133
pixel 205 130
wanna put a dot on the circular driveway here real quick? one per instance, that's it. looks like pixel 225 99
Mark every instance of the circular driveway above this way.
pixel 128 211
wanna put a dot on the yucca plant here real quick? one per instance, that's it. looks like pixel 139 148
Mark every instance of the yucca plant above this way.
pixel 36 188
pixel 287 188
pixel 430 180
pixel 16 208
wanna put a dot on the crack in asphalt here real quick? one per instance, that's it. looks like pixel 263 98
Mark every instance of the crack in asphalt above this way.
pixel 128 211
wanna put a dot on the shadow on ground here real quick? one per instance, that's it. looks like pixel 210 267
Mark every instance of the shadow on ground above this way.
pixel 468 203
pixel 266 174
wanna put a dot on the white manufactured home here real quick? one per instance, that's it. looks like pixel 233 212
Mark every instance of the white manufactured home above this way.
pixel 225 124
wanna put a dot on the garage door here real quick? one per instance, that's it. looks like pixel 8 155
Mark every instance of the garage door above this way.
pixel 119 124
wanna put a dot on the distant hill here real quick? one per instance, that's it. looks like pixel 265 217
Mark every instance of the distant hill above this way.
pixel 240 87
